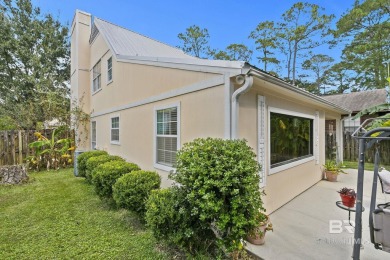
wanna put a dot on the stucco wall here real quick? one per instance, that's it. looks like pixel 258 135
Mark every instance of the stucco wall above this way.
pixel 135 82
pixel 201 116
pixel 284 185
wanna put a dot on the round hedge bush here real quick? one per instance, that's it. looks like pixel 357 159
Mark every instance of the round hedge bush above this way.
pixel 132 189
pixel 221 182
pixel 94 162
pixel 169 217
pixel 82 160
pixel 106 174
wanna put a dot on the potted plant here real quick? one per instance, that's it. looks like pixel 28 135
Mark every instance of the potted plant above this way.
pixel 348 197
pixel 332 170
pixel 257 235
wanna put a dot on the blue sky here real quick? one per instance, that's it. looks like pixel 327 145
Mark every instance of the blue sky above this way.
pixel 227 21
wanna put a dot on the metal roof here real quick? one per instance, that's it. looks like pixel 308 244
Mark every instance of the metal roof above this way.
pixel 128 43
pixel 128 46
pixel 357 101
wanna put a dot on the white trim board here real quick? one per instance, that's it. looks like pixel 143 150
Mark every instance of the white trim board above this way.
pixel 209 83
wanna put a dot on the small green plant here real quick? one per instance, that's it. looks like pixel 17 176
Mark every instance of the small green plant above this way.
pixel 82 160
pixel 263 221
pixel 333 167
pixel 105 175
pixel 94 162
pixel 132 189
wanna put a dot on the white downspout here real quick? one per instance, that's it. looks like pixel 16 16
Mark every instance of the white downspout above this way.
pixel 248 82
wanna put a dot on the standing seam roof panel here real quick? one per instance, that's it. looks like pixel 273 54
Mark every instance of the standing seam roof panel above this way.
pixel 128 43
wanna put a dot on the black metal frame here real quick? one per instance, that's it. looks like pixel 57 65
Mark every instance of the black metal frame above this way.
pixel 366 141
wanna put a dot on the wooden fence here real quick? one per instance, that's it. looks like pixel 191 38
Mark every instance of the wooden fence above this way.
pixel 14 147
pixel 351 149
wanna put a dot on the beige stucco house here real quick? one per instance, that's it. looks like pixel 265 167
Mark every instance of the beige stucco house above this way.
pixel 147 99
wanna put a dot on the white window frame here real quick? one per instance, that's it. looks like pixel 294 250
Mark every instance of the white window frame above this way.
pixel 93 141
pixel 295 163
pixel 108 71
pixel 119 130
pixel 156 108
pixel 98 76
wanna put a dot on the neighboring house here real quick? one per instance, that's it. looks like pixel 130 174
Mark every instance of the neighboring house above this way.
pixel 147 99
pixel 356 102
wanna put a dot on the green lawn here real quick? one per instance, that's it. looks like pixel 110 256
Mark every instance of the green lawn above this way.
pixel 367 166
pixel 59 216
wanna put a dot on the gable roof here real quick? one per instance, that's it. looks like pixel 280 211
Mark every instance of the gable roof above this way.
pixel 129 46
pixel 128 43
pixel 357 101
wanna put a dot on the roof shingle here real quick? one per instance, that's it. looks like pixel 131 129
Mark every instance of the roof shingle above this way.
pixel 357 101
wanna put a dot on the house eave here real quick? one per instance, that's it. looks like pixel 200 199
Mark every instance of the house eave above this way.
pixel 272 79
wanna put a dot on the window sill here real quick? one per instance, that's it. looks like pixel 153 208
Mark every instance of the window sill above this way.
pixel 164 167
pixel 290 165
pixel 115 143
pixel 109 82
pixel 97 91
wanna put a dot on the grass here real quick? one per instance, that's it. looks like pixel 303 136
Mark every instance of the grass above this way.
pixel 59 216
pixel 367 166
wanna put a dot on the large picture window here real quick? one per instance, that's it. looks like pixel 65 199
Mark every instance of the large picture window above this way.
pixel 167 131
pixel 291 138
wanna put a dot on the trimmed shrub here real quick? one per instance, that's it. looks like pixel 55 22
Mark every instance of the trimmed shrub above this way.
pixel 132 189
pixel 82 160
pixel 106 174
pixel 168 215
pixel 221 184
pixel 94 162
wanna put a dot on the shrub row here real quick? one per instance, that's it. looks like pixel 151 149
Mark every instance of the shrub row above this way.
pixel 113 177
pixel 210 209
pixel 82 160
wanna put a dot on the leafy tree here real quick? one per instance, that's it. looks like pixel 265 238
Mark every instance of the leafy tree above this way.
pixel 339 76
pixel 34 70
pixel 266 40
pixel 319 65
pixel 233 52
pixel 195 41
pixel 303 28
pixel 366 29
pixel 6 123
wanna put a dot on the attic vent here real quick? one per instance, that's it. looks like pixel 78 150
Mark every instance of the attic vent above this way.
pixel 94 33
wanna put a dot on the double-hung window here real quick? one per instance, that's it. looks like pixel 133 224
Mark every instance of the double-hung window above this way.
pixel 167 136
pixel 109 70
pixel 96 75
pixel 291 139
pixel 115 130
pixel 93 135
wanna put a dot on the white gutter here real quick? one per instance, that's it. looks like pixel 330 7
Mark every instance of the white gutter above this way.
pixel 248 82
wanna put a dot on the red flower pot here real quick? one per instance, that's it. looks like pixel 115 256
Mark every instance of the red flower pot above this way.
pixel 348 201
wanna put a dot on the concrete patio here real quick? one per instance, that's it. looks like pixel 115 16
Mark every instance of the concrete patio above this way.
pixel 302 230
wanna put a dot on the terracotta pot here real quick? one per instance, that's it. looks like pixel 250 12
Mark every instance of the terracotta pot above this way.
pixel 331 176
pixel 254 237
pixel 348 201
